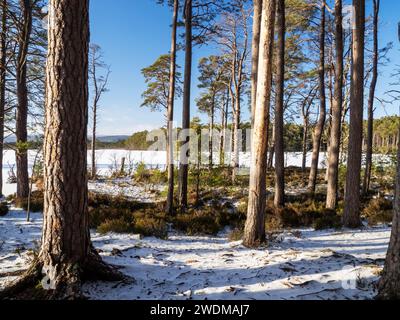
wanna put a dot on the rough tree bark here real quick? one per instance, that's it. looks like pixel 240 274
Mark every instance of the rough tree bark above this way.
pixel 3 71
pixel 254 233
pixel 184 159
pixel 319 129
pixel 67 256
pixel 171 100
pixel 336 122
pixel 389 284
pixel 351 218
pixel 279 200
pixel 255 55
pixel 22 97
pixel 371 100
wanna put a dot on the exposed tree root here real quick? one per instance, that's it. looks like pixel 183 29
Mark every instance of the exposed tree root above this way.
pixel 96 269
pixel 64 282
pixel 388 289
pixel 12 274
pixel 28 280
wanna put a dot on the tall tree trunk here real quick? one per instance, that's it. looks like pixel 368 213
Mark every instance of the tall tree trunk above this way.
pixel 305 146
pixel 211 137
pixel 224 123
pixel 255 55
pixel 184 165
pixel 351 216
pixel 94 169
pixel 67 255
pixel 389 284
pixel 279 200
pixel 237 137
pixel 331 98
pixel 170 117
pixel 322 113
pixel 336 122
pixel 3 71
pixel 369 149
pixel 22 97
pixel 271 146
pixel 94 110
pixel 254 233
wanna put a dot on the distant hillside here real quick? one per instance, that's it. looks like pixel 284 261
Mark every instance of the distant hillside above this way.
pixel 105 139
pixel 110 139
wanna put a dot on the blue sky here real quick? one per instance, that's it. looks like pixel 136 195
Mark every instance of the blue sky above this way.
pixel 133 33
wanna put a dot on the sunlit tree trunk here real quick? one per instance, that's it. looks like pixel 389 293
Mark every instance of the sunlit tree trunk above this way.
pixel 319 129
pixel 389 284
pixel 237 138
pixel 184 165
pixel 369 149
pixel 22 97
pixel 211 136
pixel 255 54
pixel 224 123
pixel 67 255
pixel 254 233
pixel 170 112
pixel 337 105
pixel 351 216
pixel 271 148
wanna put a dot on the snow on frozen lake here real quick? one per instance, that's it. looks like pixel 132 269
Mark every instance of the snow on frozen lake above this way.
pixel 154 159
pixel 299 265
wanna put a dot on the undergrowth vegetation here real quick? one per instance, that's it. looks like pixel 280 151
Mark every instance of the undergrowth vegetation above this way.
pixel 214 204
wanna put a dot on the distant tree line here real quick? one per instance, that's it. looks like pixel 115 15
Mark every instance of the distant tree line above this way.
pixel 386 137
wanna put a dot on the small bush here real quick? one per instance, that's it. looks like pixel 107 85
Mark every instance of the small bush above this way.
pixel 328 220
pixel 36 204
pixel 3 209
pixel 98 216
pixel 242 208
pixel 97 200
pixel 151 227
pixel 197 223
pixel 273 223
pixel 115 225
pixel 378 211
pixel 158 177
pixel 142 174
pixel 289 217
pixel 236 235
pixel 306 213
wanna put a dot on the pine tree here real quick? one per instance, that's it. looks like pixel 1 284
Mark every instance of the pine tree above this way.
pixel 351 216
pixel 254 233
pixel 67 255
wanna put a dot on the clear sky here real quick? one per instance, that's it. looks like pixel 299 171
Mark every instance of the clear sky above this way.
pixel 133 33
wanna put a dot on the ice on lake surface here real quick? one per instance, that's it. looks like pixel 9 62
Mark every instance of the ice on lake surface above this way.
pixel 155 159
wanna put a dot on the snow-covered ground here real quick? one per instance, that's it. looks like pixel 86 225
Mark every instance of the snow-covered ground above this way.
pixel 127 188
pixel 305 264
